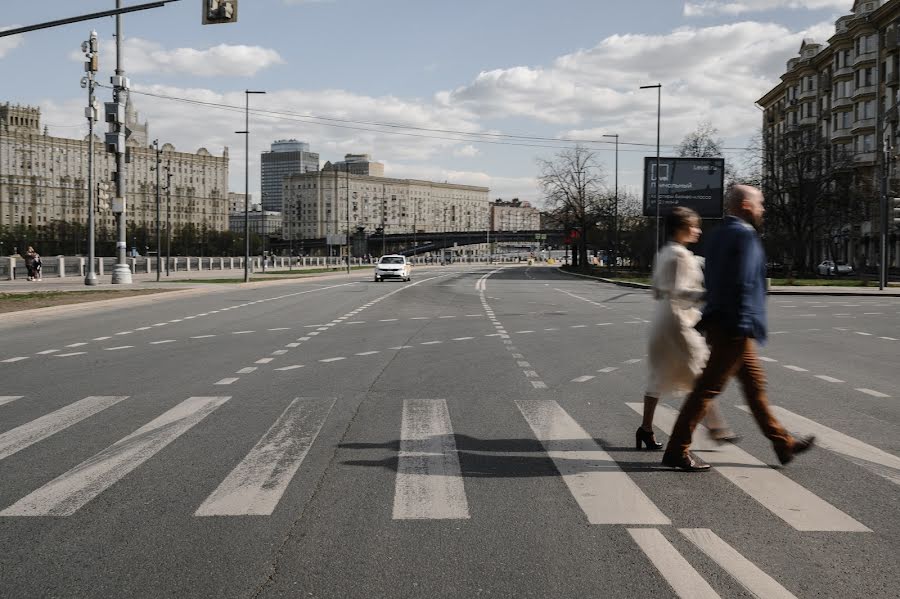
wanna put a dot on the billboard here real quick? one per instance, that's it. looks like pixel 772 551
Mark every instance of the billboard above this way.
pixel 697 183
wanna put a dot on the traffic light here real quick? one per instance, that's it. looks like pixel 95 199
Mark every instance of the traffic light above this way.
pixel 895 210
pixel 216 12
pixel 103 196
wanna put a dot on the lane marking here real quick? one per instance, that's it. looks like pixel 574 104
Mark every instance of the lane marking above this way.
pixel 242 332
pixel 64 495
pixel 202 336
pixel 578 326
pixel 795 368
pixel 162 341
pixel 829 379
pixel 100 338
pixel 47 351
pixel 401 347
pixel 583 379
pixel 279 352
pixel 531 374
pixel 16 359
pixel 605 494
pixel 462 338
pixel 888 338
pixel 226 381
pixel 748 575
pixel 429 483
pixel 865 334
pixel 303 339
pixel 130 332
pixel 5 399
pixel 632 361
pixel 333 359
pixel 19 438
pixel 608 369
pixel 523 364
pixel 258 482
pixel 523 332
pixel 430 342
pixel 767 359
pixel 292 345
pixel 872 392
pixel 264 360
pixel 74 353
pixel 246 370
pixel 118 347
pixel 280 329
pixel 76 344
pixel 368 353
pixel 877 461
pixel 293 367
pixel 787 499
pixel 678 572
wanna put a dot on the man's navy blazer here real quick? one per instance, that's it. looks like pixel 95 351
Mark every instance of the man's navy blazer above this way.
pixel 735 280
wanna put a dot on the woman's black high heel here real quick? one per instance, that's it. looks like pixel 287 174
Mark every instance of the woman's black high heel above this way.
pixel 648 439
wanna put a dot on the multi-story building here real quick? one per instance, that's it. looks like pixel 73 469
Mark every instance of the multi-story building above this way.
pixel 840 99
pixel 358 164
pixel 286 157
pixel 317 204
pixel 236 201
pixel 514 215
pixel 262 222
pixel 44 178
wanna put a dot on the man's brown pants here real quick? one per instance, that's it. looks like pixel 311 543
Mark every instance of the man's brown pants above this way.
pixel 729 356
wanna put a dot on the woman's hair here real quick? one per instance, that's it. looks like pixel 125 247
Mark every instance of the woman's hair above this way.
pixel 680 218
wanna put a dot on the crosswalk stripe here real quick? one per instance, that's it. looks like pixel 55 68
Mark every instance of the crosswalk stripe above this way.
pixel 787 499
pixel 21 437
pixel 256 485
pixel 681 576
pixel 293 367
pixel 873 459
pixel 605 493
pixel 68 492
pixel 582 379
pixel 16 359
pixel 754 580
pixel 429 482
pixel 5 399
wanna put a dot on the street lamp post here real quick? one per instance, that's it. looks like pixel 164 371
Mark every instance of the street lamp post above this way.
pixel 615 253
pixel 158 232
pixel 246 134
pixel 90 277
pixel 658 88
pixel 121 272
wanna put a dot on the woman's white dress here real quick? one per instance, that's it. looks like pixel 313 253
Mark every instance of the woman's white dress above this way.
pixel 677 352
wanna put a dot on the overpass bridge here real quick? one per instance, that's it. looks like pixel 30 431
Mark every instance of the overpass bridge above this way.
pixel 411 244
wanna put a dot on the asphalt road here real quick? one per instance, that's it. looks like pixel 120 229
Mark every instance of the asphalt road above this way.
pixel 467 434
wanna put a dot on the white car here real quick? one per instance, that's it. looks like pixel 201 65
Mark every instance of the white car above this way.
pixel 393 266
pixel 829 268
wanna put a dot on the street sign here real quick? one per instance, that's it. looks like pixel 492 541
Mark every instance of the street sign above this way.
pixel 697 183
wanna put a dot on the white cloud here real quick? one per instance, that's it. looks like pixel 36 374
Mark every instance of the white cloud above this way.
pixel 467 151
pixel 711 73
pixel 7 44
pixel 705 8
pixel 144 56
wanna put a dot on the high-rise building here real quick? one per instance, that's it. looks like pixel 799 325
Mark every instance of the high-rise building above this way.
pixel 826 120
pixel 286 157
pixel 357 164
pixel 44 178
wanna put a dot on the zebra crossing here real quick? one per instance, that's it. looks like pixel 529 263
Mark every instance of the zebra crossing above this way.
pixel 430 484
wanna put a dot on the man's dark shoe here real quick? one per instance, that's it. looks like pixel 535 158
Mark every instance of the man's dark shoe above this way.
pixel 785 456
pixel 688 463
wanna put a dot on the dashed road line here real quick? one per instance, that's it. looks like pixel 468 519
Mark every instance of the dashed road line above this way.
pixel 872 392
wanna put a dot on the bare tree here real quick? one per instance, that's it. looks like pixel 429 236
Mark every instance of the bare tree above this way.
pixel 574 188
pixel 704 142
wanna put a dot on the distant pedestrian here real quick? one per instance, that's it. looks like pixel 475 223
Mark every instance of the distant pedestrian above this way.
pixel 32 264
pixel 677 352
pixel 734 316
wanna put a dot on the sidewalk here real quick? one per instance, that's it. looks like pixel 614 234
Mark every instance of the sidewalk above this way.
pixel 777 289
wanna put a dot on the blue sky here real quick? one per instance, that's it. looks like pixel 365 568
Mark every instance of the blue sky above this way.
pixel 563 69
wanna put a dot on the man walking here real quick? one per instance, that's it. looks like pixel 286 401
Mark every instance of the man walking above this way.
pixel 734 316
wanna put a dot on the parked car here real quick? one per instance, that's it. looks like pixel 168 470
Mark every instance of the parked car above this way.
pixel 393 266
pixel 829 268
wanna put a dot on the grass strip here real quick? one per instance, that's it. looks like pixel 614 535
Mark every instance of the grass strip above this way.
pixel 17 302
pixel 272 276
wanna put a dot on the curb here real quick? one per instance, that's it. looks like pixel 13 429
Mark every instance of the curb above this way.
pixel 781 291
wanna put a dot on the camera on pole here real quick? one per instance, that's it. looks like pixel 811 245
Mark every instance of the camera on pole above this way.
pixel 217 12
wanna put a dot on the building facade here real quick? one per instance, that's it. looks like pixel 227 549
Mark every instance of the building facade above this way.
pixel 317 205
pixel 840 99
pixel 44 178
pixel 286 157
pixel 357 164
pixel 514 215
pixel 267 223
pixel 236 202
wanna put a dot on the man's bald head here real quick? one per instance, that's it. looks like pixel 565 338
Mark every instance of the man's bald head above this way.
pixel 745 202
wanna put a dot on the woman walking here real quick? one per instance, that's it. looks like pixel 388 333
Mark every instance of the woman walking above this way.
pixel 677 352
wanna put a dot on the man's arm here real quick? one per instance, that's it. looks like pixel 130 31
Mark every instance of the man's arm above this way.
pixel 745 274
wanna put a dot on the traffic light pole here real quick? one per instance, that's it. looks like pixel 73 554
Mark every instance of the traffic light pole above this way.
pixel 121 272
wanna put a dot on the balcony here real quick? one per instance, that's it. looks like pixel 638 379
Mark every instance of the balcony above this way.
pixel 806 121
pixel 864 158
pixel 866 90
pixel 809 94
pixel 891 79
pixel 838 103
pixel 839 134
pixel 863 124
pixel 844 71
pixel 865 58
